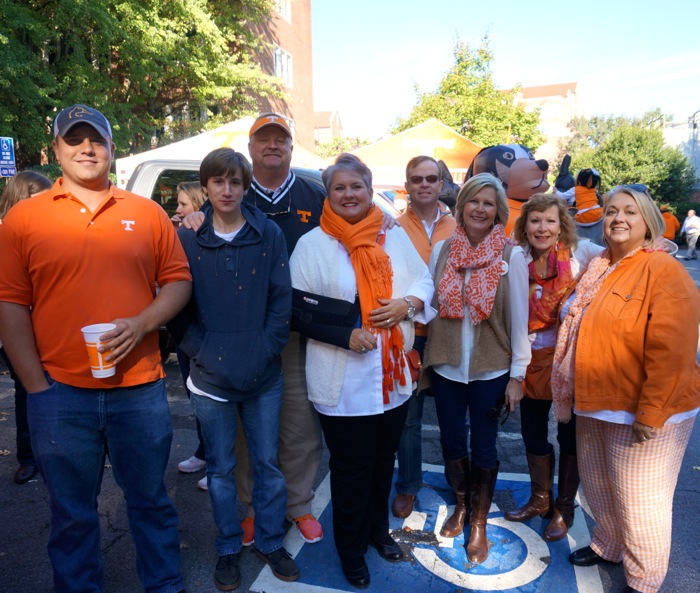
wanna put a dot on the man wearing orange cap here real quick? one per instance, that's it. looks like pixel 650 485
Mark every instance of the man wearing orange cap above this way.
pixel 296 206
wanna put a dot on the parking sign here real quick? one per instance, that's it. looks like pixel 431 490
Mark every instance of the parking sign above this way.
pixel 8 166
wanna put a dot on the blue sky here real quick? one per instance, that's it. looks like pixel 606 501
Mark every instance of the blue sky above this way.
pixel 627 56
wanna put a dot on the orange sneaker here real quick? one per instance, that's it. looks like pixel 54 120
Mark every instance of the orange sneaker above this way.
pixel 248 527
pixel 309 528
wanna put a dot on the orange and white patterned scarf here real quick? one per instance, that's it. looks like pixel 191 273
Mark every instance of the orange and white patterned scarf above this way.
pixel 543 310
pixel 374 277
pixel 485 263
pixel 565 352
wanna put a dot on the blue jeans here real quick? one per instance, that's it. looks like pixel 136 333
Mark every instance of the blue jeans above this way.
pixel 72 431
pixel 410 453
pixel 452 402
pixel 184 363
pixel 260 416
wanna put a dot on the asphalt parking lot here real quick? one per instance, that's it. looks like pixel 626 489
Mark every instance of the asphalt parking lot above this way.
pixel 25 519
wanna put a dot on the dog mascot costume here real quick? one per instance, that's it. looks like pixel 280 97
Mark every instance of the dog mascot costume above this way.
pixel 521 175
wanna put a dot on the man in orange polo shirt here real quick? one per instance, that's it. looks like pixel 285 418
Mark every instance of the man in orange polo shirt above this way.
pixel 85 252
pixel 426 222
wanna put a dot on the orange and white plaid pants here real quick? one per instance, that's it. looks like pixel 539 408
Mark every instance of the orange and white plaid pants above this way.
pixel 630 492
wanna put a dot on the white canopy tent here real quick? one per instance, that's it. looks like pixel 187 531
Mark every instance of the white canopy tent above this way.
pixel 234 135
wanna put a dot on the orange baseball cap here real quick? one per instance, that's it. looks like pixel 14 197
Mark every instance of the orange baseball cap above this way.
pixel 269 119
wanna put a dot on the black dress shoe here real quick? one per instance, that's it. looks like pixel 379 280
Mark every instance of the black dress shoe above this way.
pixel 357 576
pixel 387 547
pixel 25 473
pixel 587 557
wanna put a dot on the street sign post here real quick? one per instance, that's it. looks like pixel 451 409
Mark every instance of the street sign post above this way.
pixel 8 166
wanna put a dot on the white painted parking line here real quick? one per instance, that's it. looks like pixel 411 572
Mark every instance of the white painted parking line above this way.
pixel 518 560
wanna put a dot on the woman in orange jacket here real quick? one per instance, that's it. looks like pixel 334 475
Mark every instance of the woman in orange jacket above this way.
pixel 625 362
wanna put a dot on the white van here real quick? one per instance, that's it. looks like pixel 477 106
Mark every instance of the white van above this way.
pixel 158 179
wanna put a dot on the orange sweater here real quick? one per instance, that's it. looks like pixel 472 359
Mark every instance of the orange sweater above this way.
pixel 411 223
pixel 638 340
pixel 673 225
pixel 415 230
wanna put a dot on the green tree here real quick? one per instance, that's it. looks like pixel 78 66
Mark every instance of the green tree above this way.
pixel 144 63
pixel 25 84
pixel 339 145
pixel 630 150
pixel 468 101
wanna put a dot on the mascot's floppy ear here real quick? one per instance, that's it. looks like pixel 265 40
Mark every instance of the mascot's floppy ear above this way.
pixel 589 178
pixel 565 180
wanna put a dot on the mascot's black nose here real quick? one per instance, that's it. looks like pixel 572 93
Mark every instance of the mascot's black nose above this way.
pixel 542 164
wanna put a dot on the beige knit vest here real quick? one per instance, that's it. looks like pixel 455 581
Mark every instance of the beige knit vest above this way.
pixel 492 350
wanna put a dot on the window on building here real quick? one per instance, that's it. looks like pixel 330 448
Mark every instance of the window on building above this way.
pixel 283 66
pixel 284 9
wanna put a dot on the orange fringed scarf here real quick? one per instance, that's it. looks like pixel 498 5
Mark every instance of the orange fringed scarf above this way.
pixel 373 275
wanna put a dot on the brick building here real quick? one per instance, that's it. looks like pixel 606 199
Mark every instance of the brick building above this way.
pixel 558 105
pixel 287 34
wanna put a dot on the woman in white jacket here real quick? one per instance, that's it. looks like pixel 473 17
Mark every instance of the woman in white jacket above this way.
pixel 358 375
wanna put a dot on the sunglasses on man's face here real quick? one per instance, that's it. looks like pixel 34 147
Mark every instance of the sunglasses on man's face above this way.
pixel 417 179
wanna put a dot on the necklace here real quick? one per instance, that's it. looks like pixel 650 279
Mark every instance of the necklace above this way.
pixel 542 266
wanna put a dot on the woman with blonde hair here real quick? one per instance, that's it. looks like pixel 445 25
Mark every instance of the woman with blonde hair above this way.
pixel 477 349
pixel 625 363
pixel 190 198
pixel 547 234
pixel 23 185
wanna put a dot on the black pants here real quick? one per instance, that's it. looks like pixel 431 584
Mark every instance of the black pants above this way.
pixel 362 450
pixel 534 420
pixel 25 455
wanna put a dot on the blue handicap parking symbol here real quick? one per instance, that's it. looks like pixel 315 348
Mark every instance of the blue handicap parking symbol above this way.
pixel 519 559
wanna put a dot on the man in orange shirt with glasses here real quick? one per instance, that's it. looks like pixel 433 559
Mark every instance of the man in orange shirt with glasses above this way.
pixel 426 222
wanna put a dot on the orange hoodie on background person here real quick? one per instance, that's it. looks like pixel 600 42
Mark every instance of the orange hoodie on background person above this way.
pixel 673 225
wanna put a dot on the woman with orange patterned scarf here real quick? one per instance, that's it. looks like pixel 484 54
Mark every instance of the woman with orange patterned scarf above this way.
pixel 547 234
pixel 477 349
pixel 357 373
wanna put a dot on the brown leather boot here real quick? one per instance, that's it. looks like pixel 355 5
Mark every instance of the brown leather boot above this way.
pixel 458 470
pixel 483 484
pixel 402 506
pixel 564 507
pixel 541 499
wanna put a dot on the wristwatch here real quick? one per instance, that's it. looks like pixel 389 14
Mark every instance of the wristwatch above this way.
pixel 411 313
pixel 519 378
